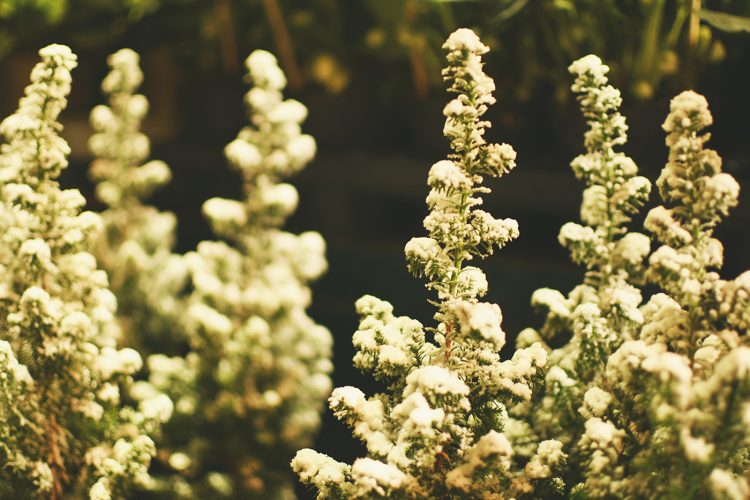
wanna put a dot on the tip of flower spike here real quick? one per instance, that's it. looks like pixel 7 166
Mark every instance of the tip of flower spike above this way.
pixel 264 70
pixel 260 59
pixel 588 64
pixel 60 55
pixel 465 39
pixel 124 57
pixel 688 110
pixel 126 76
pixel 688 100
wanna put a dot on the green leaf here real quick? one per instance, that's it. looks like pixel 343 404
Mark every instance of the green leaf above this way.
pixel 724 21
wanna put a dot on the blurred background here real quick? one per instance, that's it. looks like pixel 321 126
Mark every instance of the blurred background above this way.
pixel 369 72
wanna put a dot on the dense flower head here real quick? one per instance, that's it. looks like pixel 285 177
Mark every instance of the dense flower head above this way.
pixel 459 231
pixel 687 112
pixel 264 70
pixel 36 119
pixel 269 150
pixel 695 328
pixel 614 192
pixel 464 39
pixel 597 316
pixel 126 75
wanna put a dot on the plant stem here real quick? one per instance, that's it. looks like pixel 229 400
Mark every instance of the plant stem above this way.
pixel 227 38
pixel 284 44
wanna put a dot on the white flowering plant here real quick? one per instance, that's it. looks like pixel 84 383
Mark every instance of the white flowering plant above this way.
pixel 585 327
pixel 250 391
pixel 637 384
pixel 648 400
pixel 438 429
pixel 65 428
pixel 612 397
pixel 691 357
pixel 135 246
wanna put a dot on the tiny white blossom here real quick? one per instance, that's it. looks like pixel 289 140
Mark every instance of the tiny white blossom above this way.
pixel 465 39
pixel 264 70
pixel 376 477
pixel 100 490
pixel 159 408
pixel 243 154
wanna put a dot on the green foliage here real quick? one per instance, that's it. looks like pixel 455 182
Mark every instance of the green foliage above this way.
pixel 651 45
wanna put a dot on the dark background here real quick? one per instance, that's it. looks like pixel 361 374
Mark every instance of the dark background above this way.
pixel 377 137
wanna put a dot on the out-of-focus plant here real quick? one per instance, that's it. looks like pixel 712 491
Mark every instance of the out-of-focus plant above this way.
pixel 65 431
pixel 45 11
pixel 251 389
pixel 412 31
pixel 55 10
pixel 325 42
pixel 135 246
pixel 84 19
pixel 52 10
pixel 646 41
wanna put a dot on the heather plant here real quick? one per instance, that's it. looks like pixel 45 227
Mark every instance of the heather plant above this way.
pixel 696 196
pixel 436 431
pixel 581 330
pixel 65 431
pixel 647 400
pixel 135 246
pixel 690 365
pixel 250 391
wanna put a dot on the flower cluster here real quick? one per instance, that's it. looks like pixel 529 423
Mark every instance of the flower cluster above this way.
pixel 136 241
pixel 588 324
pixel 251 389
pixel 637 385
pixel 614 193
pixel 648 400
pixel 698 195
pixel 64 431
pixel 438 431
pixel 695 335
